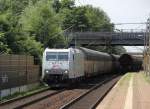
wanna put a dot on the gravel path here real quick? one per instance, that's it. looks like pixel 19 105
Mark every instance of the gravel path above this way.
pixel 141 95
pixel 89 100
pixel 56 101
pixel 115 99
pixel 121 95
pixel 26 100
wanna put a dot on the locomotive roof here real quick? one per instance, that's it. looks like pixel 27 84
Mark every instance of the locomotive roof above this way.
pixel 86 50
pixel 92 54
pixel 56 50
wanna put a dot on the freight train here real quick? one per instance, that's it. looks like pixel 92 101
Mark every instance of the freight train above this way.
pixel 73 64
pixel 62 66
pixel 130 62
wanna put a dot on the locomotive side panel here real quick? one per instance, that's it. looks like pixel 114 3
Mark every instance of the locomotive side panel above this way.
pixel 96 62
pixel 116 64
pixel 108 66
pixel 88 69
pixel 76 64
pixel 80 62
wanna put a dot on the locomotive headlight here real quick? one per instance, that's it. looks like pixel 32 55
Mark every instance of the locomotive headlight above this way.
pixel 47 71
pixel 66 72
pixel 65 76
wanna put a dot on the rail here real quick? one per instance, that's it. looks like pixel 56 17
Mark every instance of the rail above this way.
pixel 28 100
pixel 75 103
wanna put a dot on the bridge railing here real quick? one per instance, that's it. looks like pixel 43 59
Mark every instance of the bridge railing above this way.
pixel 117 38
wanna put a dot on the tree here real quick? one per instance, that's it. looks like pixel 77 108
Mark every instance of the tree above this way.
pixel 4 31
pixel 109 49
pixel 69 4
pixel 3 46
pixel 75 18
pixel 41 21
pixel 97 19
pixel 89 18
pixel 12 39
pixel 27 26
pixel 57 6
pixel 30 46
pixel 86 18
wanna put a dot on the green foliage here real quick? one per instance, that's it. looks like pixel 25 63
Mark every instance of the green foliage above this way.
pixel 29 26
pixel 119 49
pixel 56 5
pixel 34 90
pixel 115 50
pixel 110 49
pixel 15 6
pixel 13 40
pixel 76 18
pixel 145 77
pixel 60 5
pixel 4 5
pixel 41 21
pixel 30 46
pixel 3 46
pixel 69 4
pixel 97 19
pixel 126 79
pixel 4 30
pixel 86 18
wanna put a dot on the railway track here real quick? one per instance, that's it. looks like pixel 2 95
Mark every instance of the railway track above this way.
pixel 27 100
pixel 58 100
pixel 64 98
pixel 4 102
pixel 91 98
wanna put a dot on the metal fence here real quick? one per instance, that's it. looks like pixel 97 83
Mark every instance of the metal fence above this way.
pixel 17 70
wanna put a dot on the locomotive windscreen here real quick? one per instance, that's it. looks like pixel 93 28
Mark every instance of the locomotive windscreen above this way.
pixel 51 56
pixel 63 56
pixel 56 56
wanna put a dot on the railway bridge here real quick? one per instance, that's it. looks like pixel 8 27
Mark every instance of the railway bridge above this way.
pixel 108 38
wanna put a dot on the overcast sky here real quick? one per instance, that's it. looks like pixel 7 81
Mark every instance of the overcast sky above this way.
pixel 123 11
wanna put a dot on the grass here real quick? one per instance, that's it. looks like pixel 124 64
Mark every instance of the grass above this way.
pixel 125 78
pixel 146 77
pixel 21 94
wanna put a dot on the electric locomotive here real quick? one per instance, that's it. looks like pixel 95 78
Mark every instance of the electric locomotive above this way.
pixel 61 66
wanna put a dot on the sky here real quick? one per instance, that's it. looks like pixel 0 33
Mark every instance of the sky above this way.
pixel 123 11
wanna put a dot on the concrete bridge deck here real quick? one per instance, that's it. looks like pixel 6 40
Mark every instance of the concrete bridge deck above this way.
pixel 108 38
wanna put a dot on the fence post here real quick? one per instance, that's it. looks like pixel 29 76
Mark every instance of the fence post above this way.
pixel 0 95
pixel 26 70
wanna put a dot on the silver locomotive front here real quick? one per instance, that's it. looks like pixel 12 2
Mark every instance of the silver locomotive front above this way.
pixel 55 66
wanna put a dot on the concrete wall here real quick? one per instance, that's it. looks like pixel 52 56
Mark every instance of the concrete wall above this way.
pixel 24 88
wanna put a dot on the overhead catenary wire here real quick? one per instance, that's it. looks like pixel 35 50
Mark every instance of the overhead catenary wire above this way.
pixel 55 34
pixel 140 25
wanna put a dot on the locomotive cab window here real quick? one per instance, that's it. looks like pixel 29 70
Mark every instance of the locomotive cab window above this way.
pixel 63 56
pixel 51 56
pixel 57 56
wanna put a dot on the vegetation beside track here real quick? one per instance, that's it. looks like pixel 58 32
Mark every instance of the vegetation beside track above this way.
pixel 145 77
pixel 23 94
pixel 125 78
